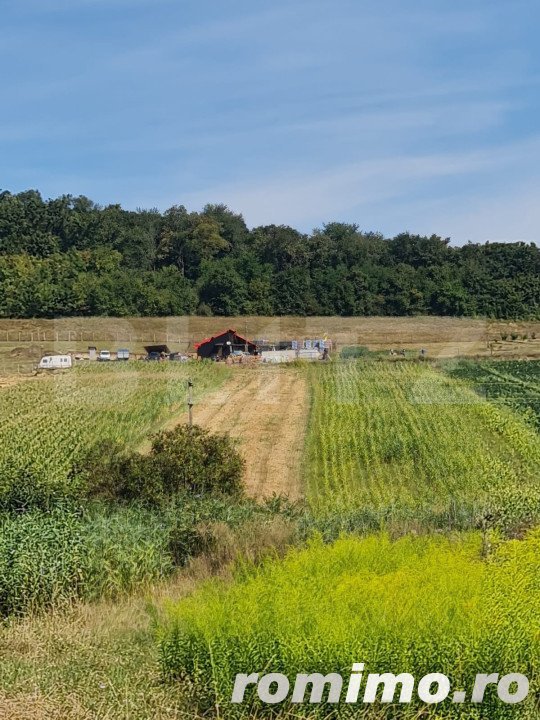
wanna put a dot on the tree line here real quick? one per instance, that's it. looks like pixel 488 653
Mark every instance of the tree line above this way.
pixel 70 256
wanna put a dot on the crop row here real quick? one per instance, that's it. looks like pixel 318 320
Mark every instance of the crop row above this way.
pixel 48 423
pixel 387 436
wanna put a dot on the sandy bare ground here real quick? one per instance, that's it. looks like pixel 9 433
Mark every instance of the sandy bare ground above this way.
pixel 265 408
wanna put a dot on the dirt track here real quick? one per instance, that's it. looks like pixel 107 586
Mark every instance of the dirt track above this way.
pixel 266 409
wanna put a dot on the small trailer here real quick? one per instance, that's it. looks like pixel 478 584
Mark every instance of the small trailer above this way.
pixel 55 362
pixel 122 354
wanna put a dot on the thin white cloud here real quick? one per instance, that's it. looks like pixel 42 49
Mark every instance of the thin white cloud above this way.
pixel 52 6
pixel 357 192
pixel 508 215
pixel 298 199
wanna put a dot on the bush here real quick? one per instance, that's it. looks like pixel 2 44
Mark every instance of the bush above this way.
pixel 185 459
pixel 353 352
pixel 191 458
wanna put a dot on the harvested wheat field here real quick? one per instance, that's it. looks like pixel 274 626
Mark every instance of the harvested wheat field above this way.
pixel 189 329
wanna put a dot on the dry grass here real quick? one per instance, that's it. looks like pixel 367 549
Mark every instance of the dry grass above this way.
pixel 185 330
pixel 90 662
pixel 265 408
pixel 252 543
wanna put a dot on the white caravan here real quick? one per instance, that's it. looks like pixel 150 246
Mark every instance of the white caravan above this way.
pixel 55 362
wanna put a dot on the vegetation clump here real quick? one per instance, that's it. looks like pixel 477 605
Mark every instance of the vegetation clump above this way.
pixel 183 460
pixel 418 605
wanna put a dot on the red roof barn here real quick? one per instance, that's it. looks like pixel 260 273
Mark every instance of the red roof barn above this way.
pixel 224 344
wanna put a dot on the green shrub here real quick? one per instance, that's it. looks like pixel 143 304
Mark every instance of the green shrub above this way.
pixel 353 352
pixel 192 458
pixel 185 459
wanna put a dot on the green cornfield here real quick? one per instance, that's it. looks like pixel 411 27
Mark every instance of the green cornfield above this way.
pixel 403 435
pixel 513 383
pixel 419 605
pixel 48 422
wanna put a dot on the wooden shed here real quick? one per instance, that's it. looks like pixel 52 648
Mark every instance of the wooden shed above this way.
pixel 223 344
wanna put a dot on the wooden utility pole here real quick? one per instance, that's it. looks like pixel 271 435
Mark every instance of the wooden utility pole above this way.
pixel 190 402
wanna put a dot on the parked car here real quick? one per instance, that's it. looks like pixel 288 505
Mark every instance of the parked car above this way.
pixel 104 356
pixel 55 362
pixel 122 354
pixel 178 357
pixel 153 356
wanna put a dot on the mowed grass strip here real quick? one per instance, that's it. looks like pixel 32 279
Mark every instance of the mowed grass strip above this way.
pixel 387 435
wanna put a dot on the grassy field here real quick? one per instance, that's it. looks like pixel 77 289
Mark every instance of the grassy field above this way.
pixel 88 661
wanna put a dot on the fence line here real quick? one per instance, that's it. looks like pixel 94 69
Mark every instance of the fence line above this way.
pixel 81 336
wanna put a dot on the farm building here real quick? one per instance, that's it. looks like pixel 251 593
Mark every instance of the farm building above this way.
pixel 223 344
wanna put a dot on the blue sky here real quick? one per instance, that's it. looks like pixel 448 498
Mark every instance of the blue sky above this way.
pixel 417 115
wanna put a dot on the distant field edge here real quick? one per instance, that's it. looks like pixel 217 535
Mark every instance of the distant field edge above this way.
pixel 349 329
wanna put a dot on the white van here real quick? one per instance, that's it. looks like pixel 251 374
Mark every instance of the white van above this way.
pixel 55 362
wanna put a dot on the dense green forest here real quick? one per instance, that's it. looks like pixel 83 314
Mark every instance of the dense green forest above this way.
pixel 70 256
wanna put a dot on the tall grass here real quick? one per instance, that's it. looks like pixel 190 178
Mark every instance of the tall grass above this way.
pixel 49 559
pixel 417 605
